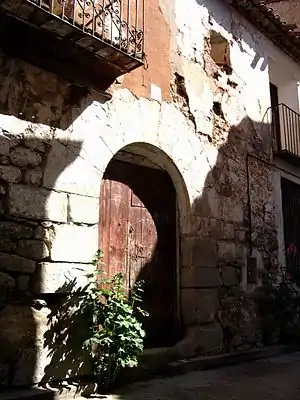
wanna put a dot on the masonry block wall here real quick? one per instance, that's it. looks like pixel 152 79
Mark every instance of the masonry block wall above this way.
pixel 207 131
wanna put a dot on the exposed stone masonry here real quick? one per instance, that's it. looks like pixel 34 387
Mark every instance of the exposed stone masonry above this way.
pixel 54 149
pixel 41 233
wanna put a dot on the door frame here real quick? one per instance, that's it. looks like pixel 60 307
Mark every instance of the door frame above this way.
pixel 178 255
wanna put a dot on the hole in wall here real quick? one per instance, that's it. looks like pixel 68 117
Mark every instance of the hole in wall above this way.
pixel 217 109
pixel 220 51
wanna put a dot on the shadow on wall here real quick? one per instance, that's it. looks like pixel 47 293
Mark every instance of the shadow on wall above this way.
pixel 244 38
pixel 30 210
pixel 233 219
pixel 225 225
pixel 36 96
pixel 213 252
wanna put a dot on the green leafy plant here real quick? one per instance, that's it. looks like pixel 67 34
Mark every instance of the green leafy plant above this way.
pixel 115 334
pixel 279 304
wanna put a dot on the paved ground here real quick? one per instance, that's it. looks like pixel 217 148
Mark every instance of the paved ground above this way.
pixel 272 379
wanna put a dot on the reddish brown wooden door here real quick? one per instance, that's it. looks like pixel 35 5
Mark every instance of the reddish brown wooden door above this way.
pixel 138 237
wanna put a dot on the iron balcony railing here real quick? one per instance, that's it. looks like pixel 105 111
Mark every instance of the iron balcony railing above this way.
pixel 119 23
pixel 286 130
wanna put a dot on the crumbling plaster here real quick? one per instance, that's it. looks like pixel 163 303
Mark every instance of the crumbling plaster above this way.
pixel 51 175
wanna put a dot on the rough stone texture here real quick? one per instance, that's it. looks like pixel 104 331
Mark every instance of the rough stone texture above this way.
pixel 199 305
pixel 200 277
pixel 210 338
pixel 33 177
pixel 33 249
pixel 238 317
pixel 60 277
pixel 25 157
pixel 204 253
pixel 23 282
pixel 37 203
pixel 22 332
pixel 230 276
pixel 10 173
pixel 6 281
pixel 6 245
pixel 74 243
pixel 10 262
pixel 200 136
pixel 14 230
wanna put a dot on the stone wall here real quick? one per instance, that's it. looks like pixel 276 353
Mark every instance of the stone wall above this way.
pixel 56 141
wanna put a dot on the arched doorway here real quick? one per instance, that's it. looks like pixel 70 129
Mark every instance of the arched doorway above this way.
pixel 138 234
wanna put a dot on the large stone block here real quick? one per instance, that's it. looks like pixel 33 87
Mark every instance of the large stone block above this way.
pixel 34 249
pixel 231 276
pixel 230 251
pixel 74 243
pixel 22 333
pixel 23 157
pixel 13 230
pixel 210 337
pixel 204 253
pixel 199 305
pixel 34 177
pixel 6 281
pixel 37 203
pixel 60 277
pixel 10 173
pixel 77 174
pixel 36 347
pixel 10 262
pixel 200 339
pixel 200 277
pixel 6 143
pixel 208 205
pixel 84 209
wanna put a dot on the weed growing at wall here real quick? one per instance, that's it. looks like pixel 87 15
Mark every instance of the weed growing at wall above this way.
pixel 115 334
pixel 279 303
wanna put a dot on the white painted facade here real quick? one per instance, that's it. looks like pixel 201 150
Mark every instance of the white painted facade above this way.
pixel 188 143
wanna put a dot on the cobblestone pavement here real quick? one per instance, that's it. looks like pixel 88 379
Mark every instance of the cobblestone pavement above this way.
pixel 271 379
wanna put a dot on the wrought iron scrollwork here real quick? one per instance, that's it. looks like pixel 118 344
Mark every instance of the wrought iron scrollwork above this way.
pixel 108 20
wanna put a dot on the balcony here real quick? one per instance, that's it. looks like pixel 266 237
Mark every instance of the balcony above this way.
pixel 286 133
pixel 90 42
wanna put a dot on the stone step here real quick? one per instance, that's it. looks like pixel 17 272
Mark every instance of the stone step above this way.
pixel 205 363
pixel 147 372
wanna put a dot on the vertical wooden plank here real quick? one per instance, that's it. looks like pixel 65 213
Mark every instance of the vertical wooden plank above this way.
pixel 104 209
pixel 139 221
pixel 118 227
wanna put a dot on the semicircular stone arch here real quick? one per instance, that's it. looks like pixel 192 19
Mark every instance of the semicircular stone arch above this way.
pixel 107 128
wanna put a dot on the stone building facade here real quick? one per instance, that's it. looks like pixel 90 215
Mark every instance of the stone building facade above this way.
pixel 197 109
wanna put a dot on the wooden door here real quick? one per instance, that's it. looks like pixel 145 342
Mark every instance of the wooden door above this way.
pixel 138 237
